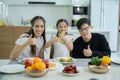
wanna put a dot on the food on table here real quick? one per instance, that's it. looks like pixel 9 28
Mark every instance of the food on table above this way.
pixel 36 64
pixel 36 59
pixel 52 65
pixel 95 61
pixel 37 68
pixel 105 61
pixel 67 59
pixel 100 65
pixel 46 62
pixel 28 62
pixel 70 69
pixel 29 68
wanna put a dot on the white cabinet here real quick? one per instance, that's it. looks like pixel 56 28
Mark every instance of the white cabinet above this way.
pixel 25 2
pixel 104 16
pixel 80 2
pixel 15 2
pixel 63 2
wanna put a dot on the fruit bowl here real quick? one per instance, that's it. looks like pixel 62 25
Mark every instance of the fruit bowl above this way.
pixel 36 67
pixel 99 69
pixel 36 73
pixel 98 65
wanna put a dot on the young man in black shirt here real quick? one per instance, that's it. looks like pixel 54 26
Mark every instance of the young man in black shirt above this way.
pixel 89 44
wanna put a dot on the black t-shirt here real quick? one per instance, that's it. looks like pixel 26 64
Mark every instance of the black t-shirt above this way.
pixel 98 45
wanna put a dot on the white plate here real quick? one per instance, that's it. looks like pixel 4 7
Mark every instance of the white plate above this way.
pixel 115 60
pixel 12 68
pixel 22 61
pixel 79 69
pixel 58 60
pixel 58 66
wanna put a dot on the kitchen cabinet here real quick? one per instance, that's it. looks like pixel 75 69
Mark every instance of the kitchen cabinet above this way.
pixel 63 2
pixel 80 2
pixel 6 42
pixel 25 2
pixel 8 36
pixel 15 2
pixel 104 16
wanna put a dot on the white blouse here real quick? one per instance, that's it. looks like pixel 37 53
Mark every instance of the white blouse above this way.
pixel 60 49
pixel 27 52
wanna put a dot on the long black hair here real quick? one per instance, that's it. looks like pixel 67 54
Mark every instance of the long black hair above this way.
pixel 31 32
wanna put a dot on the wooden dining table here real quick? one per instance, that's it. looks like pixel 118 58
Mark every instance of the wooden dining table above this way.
pixel 86 74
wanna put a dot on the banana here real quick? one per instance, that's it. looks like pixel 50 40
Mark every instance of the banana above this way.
pixel 62 34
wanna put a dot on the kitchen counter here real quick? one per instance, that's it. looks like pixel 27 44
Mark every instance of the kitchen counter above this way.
pixel 113 74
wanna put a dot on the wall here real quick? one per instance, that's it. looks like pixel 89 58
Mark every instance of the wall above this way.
pixel 50 12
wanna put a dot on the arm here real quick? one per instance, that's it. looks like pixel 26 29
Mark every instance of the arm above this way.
pixel 17 50
pixel 68 43
pixel 51 41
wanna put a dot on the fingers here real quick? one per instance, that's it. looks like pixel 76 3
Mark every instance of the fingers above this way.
pixel 31 40
pixel 87 52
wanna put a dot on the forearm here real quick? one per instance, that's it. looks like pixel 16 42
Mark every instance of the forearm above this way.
pixel 49 43
pixel 69 44
pixel 17 51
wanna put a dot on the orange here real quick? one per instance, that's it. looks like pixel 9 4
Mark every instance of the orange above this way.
pixel 36 59
pixel 106 60
pixel 29 68
pixel 33 66
pixel 40 66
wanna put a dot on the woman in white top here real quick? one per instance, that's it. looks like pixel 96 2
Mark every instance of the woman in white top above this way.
pixel 31 43
pixel 61 44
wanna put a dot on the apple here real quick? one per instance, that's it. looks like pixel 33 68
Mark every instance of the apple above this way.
pixel 46 62
pixel 28 62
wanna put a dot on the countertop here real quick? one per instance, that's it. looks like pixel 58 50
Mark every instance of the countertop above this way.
pixel 113 74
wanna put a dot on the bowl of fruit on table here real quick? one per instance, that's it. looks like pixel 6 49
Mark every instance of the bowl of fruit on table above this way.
pixel 36 67
pixel 100 65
